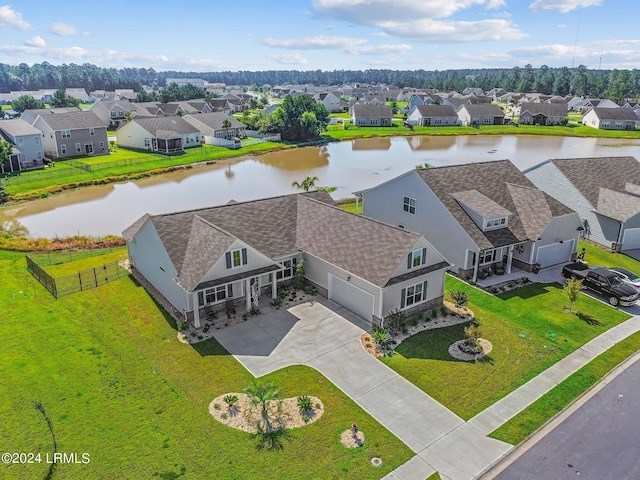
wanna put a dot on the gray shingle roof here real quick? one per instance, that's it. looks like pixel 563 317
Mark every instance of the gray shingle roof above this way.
pixel 501 182
pixel 436 111
pixel 546 109
pixel 481 204
pixel 73 121
pixel 588 175
pixel 162 126
pixel 214 120
pixel 18 127
pixel 369 110
pixel 617 205
pixel 484 109
pixel 605 113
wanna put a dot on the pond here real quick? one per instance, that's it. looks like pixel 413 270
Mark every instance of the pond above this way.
pixel 348 165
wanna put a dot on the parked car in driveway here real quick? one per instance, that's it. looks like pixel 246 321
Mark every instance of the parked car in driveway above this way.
pixel 627 277
pixel 603 281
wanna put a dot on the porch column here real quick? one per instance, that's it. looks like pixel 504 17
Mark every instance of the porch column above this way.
pixel 247 294
pixel 274 286
pixel 357 202
pixel 196 310
pixel 475 267
pixel 533 249
pixel 509 259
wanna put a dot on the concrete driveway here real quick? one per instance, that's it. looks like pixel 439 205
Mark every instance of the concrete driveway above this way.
pixel 326 337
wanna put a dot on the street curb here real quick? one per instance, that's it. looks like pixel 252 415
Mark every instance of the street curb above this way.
pixel 517 451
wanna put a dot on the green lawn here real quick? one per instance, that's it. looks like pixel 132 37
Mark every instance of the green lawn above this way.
pixel 62 266
pixel 538 413
pixel 597 255
pixel 529 331
pixel 108 367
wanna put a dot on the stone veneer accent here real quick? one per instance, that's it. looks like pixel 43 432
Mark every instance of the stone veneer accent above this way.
pixel 423 307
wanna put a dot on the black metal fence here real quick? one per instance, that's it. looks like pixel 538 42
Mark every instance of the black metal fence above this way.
pixel 77 282
pixel 56 257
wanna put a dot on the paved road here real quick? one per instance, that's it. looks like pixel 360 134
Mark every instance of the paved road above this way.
pixel 600 441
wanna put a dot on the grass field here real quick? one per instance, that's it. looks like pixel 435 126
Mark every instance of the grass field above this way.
pixel 529 330
pixel 59 267
pixel 117 384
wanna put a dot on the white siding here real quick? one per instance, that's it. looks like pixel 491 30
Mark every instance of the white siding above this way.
pixel 563 228
pixel 132 135
pixel 392 294
pixel 432 219
pixel 255 260
pixel 433 257
pixel 150 258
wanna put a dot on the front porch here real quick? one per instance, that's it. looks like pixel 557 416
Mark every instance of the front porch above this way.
pixel 551 274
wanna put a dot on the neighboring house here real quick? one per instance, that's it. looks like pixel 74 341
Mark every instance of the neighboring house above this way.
pixel 30 116
pixel 211 126
pixel 80 94
pixel 475 91
pixel 478 215
pixel 433 116
pixel 588 103
pixel 27 145
pixel 533 113
pixel 375 99
pixel 159 134
pixel 329 100
pixel 604 191
pixel 420 99
pixel 610 118
pixel 481 114
pixel 72 134
pixel 113 113
pixel 209 256
pixel 367 115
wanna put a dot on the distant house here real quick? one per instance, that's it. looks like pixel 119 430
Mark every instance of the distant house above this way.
pixel 211 126
pixel 72 134
pixel 27 146
pixel 30 116
pixel 160 134
pixel 330 101
pixel 113 113
pixel 183 82
pixel 420 99
pixel 367 115
pixel 481 114
pixel 433 116
pixel 80 94
pixel 543 113
pixel 475 91
pixel 604 191
pixel 479 216
pixel 610 118
pixel 587 104
pixel 242 253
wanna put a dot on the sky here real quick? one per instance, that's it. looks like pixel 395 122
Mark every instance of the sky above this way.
pixel 199 36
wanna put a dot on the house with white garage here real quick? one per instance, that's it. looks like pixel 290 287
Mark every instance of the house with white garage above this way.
pixel 201 259
pixel 604 191
pixel 484 217
pixel 610 118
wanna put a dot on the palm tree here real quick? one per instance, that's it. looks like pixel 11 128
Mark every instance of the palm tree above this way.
pixel 261 396
pixel 307 184
pixel 226 124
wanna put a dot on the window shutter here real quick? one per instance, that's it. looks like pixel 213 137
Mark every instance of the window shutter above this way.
pixel 230 291
pixel 409 258
pixel 244 256
pixel 424 256
pixel 403 294
pixel 228 256
pixel 424 290
pixel 200 298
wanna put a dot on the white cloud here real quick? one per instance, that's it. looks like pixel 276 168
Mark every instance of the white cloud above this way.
pixel 11 18
pixel 437 31
pixel 563 6
pixel 314 43
pixel 36 41
pixel 289 59
pixel 379 34
pixel 65 30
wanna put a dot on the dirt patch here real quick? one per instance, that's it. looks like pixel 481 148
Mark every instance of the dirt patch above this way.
pixel 350 439
pixel 242 417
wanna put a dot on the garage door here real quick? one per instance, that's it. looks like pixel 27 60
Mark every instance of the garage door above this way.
pixel 351 297
pixel 631 239
pixel 555 253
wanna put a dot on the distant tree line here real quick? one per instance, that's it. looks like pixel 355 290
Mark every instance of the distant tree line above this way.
pixel 613 84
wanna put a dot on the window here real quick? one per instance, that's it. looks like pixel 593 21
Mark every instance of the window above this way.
pixel 66 133
pixel 20 141
pixel 147 142
pixel 63 149
pixel 38 155
pixel 487 256
pixel 409 205
pixel 413 295
pixel 92 131
pixel 215 294
pixel 101 144
pixel 289 268
pixel 496 223
pixel 236 258
pixel 36 139
pixel 78 148
pixel 417 258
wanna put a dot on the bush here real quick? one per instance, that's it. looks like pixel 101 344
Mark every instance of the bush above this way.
pixel 230 400
pixel 305 406
pixel 276 302
pixel 396 321
pixel 383 340
pixel 182 326
pixel 459 297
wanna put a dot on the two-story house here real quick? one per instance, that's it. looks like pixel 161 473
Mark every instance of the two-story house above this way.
pixel 72 134
pixel 27 146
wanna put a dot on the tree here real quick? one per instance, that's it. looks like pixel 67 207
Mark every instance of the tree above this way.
pixel 129 115
pixel 61 99
pixel 307 184
pixel 573 288
pixel 26 102
pixel 262 396
pixel 226 124
pixel 303 118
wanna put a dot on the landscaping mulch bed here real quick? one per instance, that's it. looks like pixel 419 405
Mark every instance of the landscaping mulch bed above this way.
pixel 456 352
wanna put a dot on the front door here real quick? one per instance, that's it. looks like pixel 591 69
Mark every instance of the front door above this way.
pixel 88 148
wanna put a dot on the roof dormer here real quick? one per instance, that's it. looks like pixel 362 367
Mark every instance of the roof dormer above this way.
pixel 485 213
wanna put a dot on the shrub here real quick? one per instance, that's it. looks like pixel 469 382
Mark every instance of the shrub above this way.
pixel 223 416
pixel 459 297
pixel 443 311
pixel 383 340
pixel 434 312
pixel 216 406
pixel 183 326
pixel 396 321
pixel 254 311
pixel 305 406
pixel 276 302
pixel 230 400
